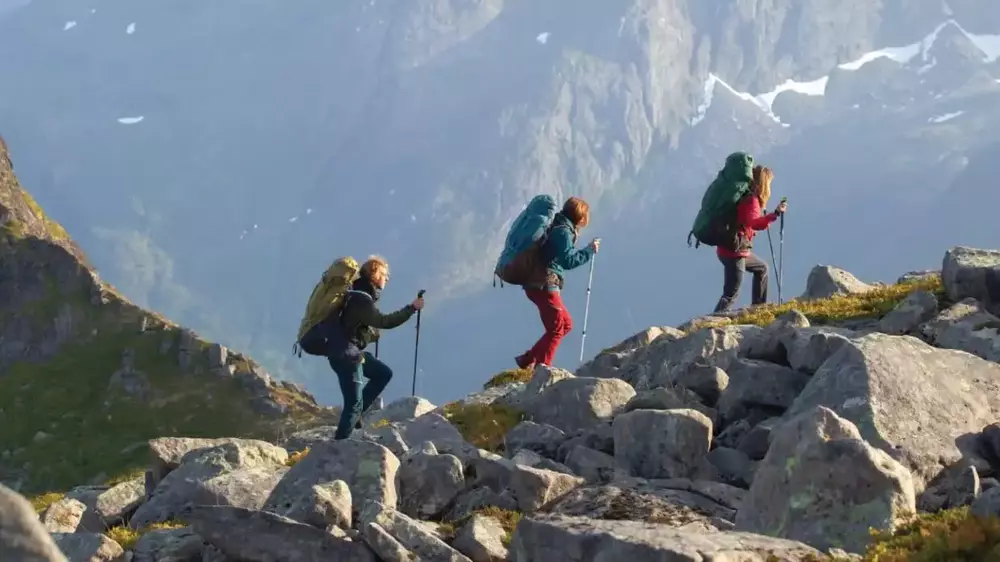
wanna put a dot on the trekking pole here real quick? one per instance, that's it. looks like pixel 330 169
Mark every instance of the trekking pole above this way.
pixel 416 348
pixel 774 264
pixel 781 250
pixel 586 310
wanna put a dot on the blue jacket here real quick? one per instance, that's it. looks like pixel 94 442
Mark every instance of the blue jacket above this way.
pixel 561 253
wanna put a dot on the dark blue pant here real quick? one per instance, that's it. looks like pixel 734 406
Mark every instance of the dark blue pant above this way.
pixel 356 400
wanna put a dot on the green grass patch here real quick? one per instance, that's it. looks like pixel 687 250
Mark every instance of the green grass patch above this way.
pixel 483 425
pixel 509 376
pixel 952 535
pixel 67 426
pixel 126 537
pixel 873 304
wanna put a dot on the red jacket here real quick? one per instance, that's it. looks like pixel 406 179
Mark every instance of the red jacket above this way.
pixel 750 217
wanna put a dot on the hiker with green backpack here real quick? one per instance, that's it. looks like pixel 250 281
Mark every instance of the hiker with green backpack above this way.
pixel 731 213
pixel 540 249
pixel 341 320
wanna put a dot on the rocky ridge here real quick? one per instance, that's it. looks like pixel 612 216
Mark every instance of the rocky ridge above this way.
pixel 86 377
pixel 727 439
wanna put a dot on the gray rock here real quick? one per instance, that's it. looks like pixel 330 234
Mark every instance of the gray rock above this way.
pixel 600 438
pixel 482 540
pixel 534 487
pixel 325 505
pixel 411 535
pixel 806 349
pixel 302 440
pixel 401 410
pixel 431 427
pixel 641 501
pixel 593 466
pixel 166 453
pixel 767 345
pixel 89 547
pixel 22 536
pixel 541 438
pixel 757 440
pixel 542 378
pixel 661 443
pixel 367 468
pixel 957 486
pixel 580 403
pixel 913 276
pixel 728 466
pixel 707 381
pixel 525 457
pixel 168 545
pixel 913 401
pixel 987 504
pixel 966 326
pixel 755 383
pixel 63 516
pixel 385 546
pixel 665 361
pixel 262 536
pixel 802 491
pixel 559 538
pixel 971 272
pixel 918 307
pixel 478 498
pixel 239 473
pixel 826 281
pixel 676 398
pixel 428 484
pixel 608 362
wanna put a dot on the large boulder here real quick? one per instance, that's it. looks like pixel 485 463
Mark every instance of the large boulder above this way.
pixel 826 281
pixel 661 443
pixel 966 326
pixel 802 491
pixel 665 360
pixel 558 538
pixel 236 472
pixel 262 536
pixel 580 403
pixel 971 272
pixel 608 362
pixel 759 384
pixel 919 404
pixel 22 536
pixel 368 469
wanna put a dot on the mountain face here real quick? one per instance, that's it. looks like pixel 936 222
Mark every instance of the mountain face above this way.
pixel 86 376
pixel 213 165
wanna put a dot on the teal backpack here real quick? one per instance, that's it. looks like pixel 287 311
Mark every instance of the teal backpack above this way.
pixel 715 224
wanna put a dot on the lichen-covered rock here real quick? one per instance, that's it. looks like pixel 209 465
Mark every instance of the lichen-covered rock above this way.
pixel 826 281
pixel 580 403
pixel 913 401
pixel 802 491
pixel 22 536
pixel 661 443
pixel 972 272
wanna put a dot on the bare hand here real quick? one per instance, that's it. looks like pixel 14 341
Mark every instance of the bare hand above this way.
pixel 596 244
pixel 782 208
pixel 418 303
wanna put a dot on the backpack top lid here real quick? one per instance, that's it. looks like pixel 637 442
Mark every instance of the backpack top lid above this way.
pixel 731 184
pixel 329 292
pixel 529 226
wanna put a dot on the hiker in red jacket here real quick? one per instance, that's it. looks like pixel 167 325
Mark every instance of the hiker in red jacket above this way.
pixel 750 218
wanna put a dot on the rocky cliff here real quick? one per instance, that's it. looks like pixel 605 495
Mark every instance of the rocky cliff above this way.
pixel 86 376
pixel 783 433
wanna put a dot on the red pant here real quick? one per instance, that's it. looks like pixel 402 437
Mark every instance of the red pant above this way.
pixel 556 320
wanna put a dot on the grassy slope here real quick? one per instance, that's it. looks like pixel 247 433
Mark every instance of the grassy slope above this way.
pixel 61 424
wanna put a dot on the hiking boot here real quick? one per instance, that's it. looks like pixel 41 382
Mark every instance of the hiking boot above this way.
pixel 524 362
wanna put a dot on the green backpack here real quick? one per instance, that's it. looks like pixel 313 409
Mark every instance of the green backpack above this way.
pixel 715 224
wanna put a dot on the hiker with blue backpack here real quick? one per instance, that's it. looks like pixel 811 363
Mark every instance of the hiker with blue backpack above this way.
pixel 731 214
pixel 540 249
pixel 341 320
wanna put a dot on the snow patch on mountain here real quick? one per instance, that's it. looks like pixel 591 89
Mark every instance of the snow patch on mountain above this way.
pixel 989 44
pixel 945 117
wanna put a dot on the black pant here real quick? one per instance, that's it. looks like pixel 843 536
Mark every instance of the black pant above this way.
pixel 733 271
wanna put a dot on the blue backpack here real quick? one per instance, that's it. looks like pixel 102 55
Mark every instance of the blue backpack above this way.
pixel 521 261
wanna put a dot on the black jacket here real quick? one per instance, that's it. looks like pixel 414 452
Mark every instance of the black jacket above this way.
pixel 361 319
